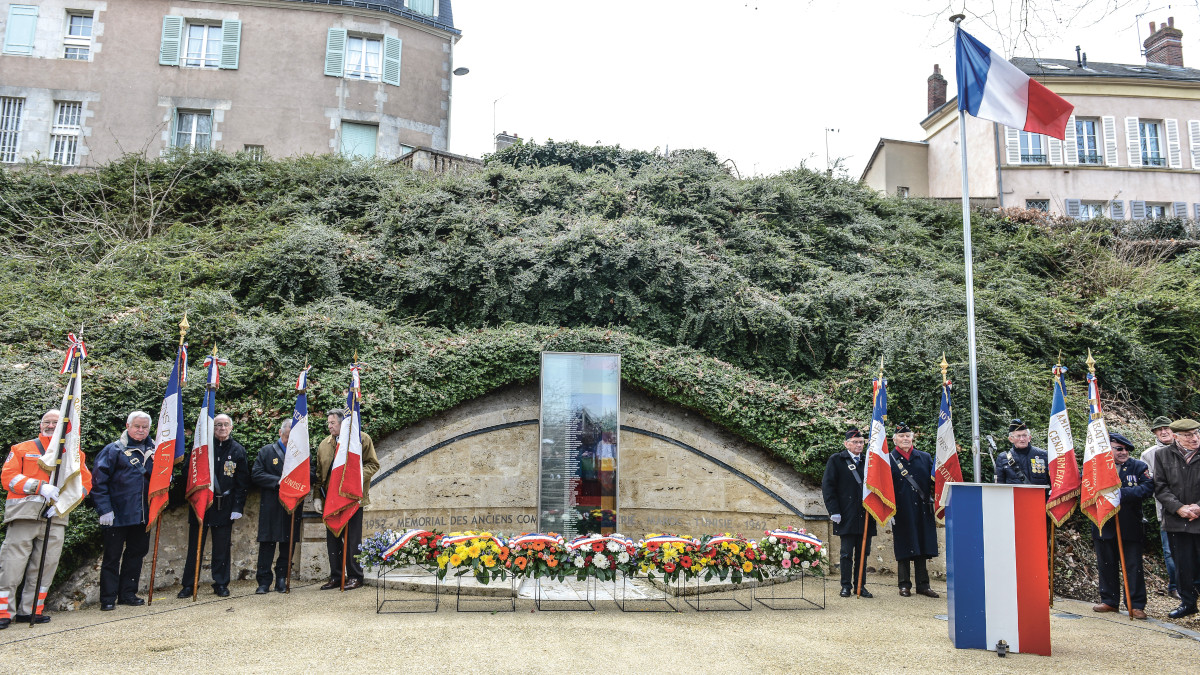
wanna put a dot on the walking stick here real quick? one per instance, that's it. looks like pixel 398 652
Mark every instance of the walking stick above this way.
pixel 345 545
pixel 199 554
pixel 1052 563
pixel 862 554
pixel 287 586
pixel 1124 572
pixel 39 600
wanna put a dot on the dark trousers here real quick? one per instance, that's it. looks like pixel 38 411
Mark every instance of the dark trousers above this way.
pixel 221 537
pixel 904 577
pixel 266 551
pixel 334 544
pixel 1112 586
pixel 121 568
pixel 852 553
pixel 1185 548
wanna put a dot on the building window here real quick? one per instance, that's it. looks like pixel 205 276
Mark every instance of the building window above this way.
pixel 358 140
pixel 10 128
pixel 1089 210
pixel 64 135
pixel 77 44
pixel 1033 148
pixel 1151 141
pixel 902 192
pixel 1087 141
pixel 1155 211
pixel 362 58
pixel 426 7
pixel 20 30
pixel 406 150
pixel 193 129
pixel 256 152
pixel 1038 204
pixel 203 46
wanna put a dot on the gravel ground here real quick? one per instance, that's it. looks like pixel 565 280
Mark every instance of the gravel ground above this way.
pixel 311 629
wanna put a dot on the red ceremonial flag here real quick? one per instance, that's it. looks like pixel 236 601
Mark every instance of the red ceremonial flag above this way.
pixel 1101 494
pixel 1060 451
pixel 202 475
pixel 946 467
pixel 294 484
pixel 879 496
pixel 345 476
pixel 169 438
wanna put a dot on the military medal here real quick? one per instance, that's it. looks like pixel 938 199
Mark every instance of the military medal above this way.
pixel 275 461
pixel 229 467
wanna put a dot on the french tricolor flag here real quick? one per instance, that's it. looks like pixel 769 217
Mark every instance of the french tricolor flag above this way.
pixel 991 88
pixel 997 579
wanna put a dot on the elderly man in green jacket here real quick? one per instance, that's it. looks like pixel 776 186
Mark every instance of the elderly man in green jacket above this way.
pixel 320 483
pixel 1177 488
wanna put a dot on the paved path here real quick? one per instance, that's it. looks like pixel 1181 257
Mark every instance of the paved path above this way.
pixel 312 629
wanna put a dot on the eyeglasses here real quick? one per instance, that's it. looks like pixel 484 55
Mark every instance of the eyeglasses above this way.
pixel 1188 434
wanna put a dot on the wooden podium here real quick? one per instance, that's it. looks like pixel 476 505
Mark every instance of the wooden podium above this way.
pixel 996 567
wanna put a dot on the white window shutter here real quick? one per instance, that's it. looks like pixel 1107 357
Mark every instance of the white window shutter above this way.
pixel 1174 146
pixel 172 41
pixel 1012 145
pixel 1072 206
pixel 20 30
pixel 1194 137
pixel 1133 141
pixel 335 52
pixel 1180 209
pixel 391 60
pixel 231 43
pixel 1197 208
pixel 1118 209
pixel 1137 210
pixel 1055 154
pixel 1110 140
pixel 1071 144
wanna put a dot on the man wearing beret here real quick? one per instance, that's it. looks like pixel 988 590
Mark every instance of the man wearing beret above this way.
pixel 842 488
pixel 914 531
pixel 1023 463
pixel 1161 428
pixel 1177 488
pixel 1136 485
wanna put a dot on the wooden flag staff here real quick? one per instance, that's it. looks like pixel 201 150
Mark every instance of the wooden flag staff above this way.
pixel 1116 516
pixel 862 551
pixel 183 329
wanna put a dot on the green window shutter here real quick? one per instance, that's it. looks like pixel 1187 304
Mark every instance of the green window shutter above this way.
pixel 172 41
pixel 231 43
pixel 335 52
pixel 391 60
pixel 20 30
pixel 358 140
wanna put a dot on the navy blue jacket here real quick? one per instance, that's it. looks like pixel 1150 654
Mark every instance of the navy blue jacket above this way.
pixel 1136 485
pixel 842 493
pixel 1034 465
pixel 121 480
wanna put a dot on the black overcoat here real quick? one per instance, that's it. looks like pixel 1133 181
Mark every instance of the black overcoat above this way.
pixel 914 530
pixel 843 494
pixel 273 519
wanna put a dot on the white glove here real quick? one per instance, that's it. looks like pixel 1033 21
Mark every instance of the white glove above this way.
pixel 51 512
pixel 318 505
pixel 107 519
pixel 48 491
pixel 235 515
pixel 836 518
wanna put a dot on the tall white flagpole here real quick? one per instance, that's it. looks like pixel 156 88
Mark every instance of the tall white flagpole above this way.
pixel 966 212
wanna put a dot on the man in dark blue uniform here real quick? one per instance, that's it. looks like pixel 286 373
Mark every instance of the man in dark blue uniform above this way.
pixel 1136 485
pixel 841 488
pixel 273 518
pixel 120 490
pixel 1024 463
pixel 229 499
pixel 914 530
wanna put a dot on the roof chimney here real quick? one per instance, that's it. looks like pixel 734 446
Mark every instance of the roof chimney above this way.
pixel 1165 45
pixel 505 139
pixel 937 89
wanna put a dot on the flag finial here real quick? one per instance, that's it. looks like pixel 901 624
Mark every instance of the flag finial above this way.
pixel 1059 362
pixel 945 366
pixel 1091 363
pixel 183 328
pixel 881 367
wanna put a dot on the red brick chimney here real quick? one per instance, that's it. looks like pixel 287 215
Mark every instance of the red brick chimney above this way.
pixel 937 89
pixel 1165 46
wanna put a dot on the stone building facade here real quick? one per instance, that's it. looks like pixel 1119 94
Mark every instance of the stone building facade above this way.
pixel 85 81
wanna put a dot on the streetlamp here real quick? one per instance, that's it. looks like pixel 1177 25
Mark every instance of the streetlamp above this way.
pixel 828 168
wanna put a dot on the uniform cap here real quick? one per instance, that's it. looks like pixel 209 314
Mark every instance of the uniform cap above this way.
pixel 1114 437
pixel 1017 425
pixel 902 428
pixel 853 432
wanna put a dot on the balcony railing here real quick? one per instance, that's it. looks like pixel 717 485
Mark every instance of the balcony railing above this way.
pixel 1033 159
pixel 1154 160
pixel 1091 158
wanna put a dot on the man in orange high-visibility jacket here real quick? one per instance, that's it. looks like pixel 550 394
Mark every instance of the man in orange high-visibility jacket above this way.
pixel 29 493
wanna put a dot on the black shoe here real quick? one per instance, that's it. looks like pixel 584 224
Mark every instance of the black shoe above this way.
pixel 221 591
pixel 866 593
pixel 281 585
pixel 846 592
pixel 331 584
pixel 24 618
pixel 1173 594
pixel 135 601
pixel 928 592
pixel 262 589
pixel 185 592
pixel 107 606
pixel 1182 611
pixel 352 584
pixel 4 623
pixel 905 592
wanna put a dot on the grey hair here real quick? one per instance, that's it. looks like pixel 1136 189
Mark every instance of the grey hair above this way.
pixel 52 410
pixel 340 412
pixel 286 425
pixel 137 415
pixel 225 416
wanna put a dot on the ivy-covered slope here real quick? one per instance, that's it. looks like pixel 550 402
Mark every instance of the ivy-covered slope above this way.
pixel 765 304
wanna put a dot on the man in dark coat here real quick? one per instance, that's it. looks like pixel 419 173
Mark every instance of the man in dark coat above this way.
pixel 1024 463
pixel 1177 488
pixel 842 489
pixel 914 530
pixel 229 498
pixel 121 492
pixel 1136 485
pixel 273 518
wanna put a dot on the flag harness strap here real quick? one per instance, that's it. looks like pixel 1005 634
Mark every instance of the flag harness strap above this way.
pixel 908 476
pixel 1012 461
pixel 854 472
